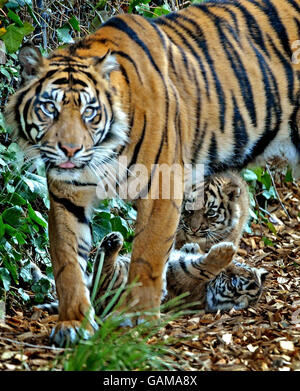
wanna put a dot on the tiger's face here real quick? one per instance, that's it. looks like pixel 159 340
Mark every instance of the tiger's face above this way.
pixel 238 286
pixel 68 112
pixel 217 213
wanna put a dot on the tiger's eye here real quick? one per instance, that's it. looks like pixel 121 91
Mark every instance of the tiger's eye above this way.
pixel 48 108
pixel 211 213
pixel 89 112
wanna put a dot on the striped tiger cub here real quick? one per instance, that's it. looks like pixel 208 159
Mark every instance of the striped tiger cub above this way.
pixel 217 84
pixel 221 216
pixel 213 280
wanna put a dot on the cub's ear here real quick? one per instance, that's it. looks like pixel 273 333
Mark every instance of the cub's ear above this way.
pixel 106 64
pixel 232 190
pixel 263 273
pixel 31 60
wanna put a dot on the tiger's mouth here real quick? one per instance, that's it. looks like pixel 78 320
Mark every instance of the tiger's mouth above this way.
pixel 68 165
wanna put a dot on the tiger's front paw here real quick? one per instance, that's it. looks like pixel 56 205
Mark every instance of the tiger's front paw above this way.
pixel 191 248
pixel 70 332
pixel 222 253
pixel 112 243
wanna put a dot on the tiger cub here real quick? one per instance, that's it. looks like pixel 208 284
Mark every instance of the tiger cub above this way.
pixel 221 216
pixel 212 279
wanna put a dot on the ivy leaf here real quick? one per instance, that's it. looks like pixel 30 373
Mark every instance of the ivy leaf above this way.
pixel 249 175
pixel 13 215
pixel 27 28
pixel 271 228
pixel 63 34
pixel 288 176
pixel 2 227
pixel 134 3
pixel 25 273
pixel 5 72
pixel 74 23
pixel 163 10
pixel 267 241
pixel 12 38
pixel 5 278
pixel 15 18
pixel 36 217
pixel 24 295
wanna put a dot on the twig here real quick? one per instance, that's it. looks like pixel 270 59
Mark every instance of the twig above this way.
pixel 276 192
pixel 34 346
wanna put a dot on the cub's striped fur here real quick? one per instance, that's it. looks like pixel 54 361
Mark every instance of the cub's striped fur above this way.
pixel 213 84
pixel 212 279
pixel 222 215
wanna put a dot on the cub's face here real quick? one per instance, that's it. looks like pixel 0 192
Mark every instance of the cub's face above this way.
pixel 214 215
pixel 67 112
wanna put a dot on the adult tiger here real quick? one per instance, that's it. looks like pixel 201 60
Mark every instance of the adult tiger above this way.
pixel 212 84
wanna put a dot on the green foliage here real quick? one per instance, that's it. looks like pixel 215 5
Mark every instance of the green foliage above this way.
pixel 14 29
pixel 23 229
pixel 143 7
pixel 119 349
pixel 262 192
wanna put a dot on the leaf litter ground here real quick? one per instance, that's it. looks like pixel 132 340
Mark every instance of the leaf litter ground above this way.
pixel 264 337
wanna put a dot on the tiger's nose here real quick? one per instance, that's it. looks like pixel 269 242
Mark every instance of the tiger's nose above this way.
pixel 69 149
pixel 194 229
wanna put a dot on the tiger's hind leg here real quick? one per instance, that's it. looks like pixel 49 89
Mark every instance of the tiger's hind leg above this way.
pixel 219 256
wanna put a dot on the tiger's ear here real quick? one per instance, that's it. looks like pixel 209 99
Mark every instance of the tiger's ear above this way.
pixel 31 60
pixel 106 64
pixel 262 273
pixel 232 190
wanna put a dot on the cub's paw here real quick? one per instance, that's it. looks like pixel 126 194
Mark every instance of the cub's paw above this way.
pixel 191 248
pixel 222 252
pixel 112 243
pixel 51 308
pixel 69 332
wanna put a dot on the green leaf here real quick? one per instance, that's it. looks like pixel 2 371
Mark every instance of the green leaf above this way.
pixel 120 225
pixel 39 298
pixel 134 3
pixel 13 215
pixel 271 228
pixel 24 295
pixel 249 175
pixel 15 18
pixel 13 38
pixel 11 231
pixel 2 227
pixel 5 278
pixel 27 28
pixel 2 162
pixel 20 238
pixel 267 241
pixel 74 23
pixel 63 34
pixel 36 183
pixel 163 10
pixel 25 273
pixel 36 217
pixel 5 72
pixel 269 193
pixel 266 180
pixel 252 214
pixel 16 199
pixel 288 176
